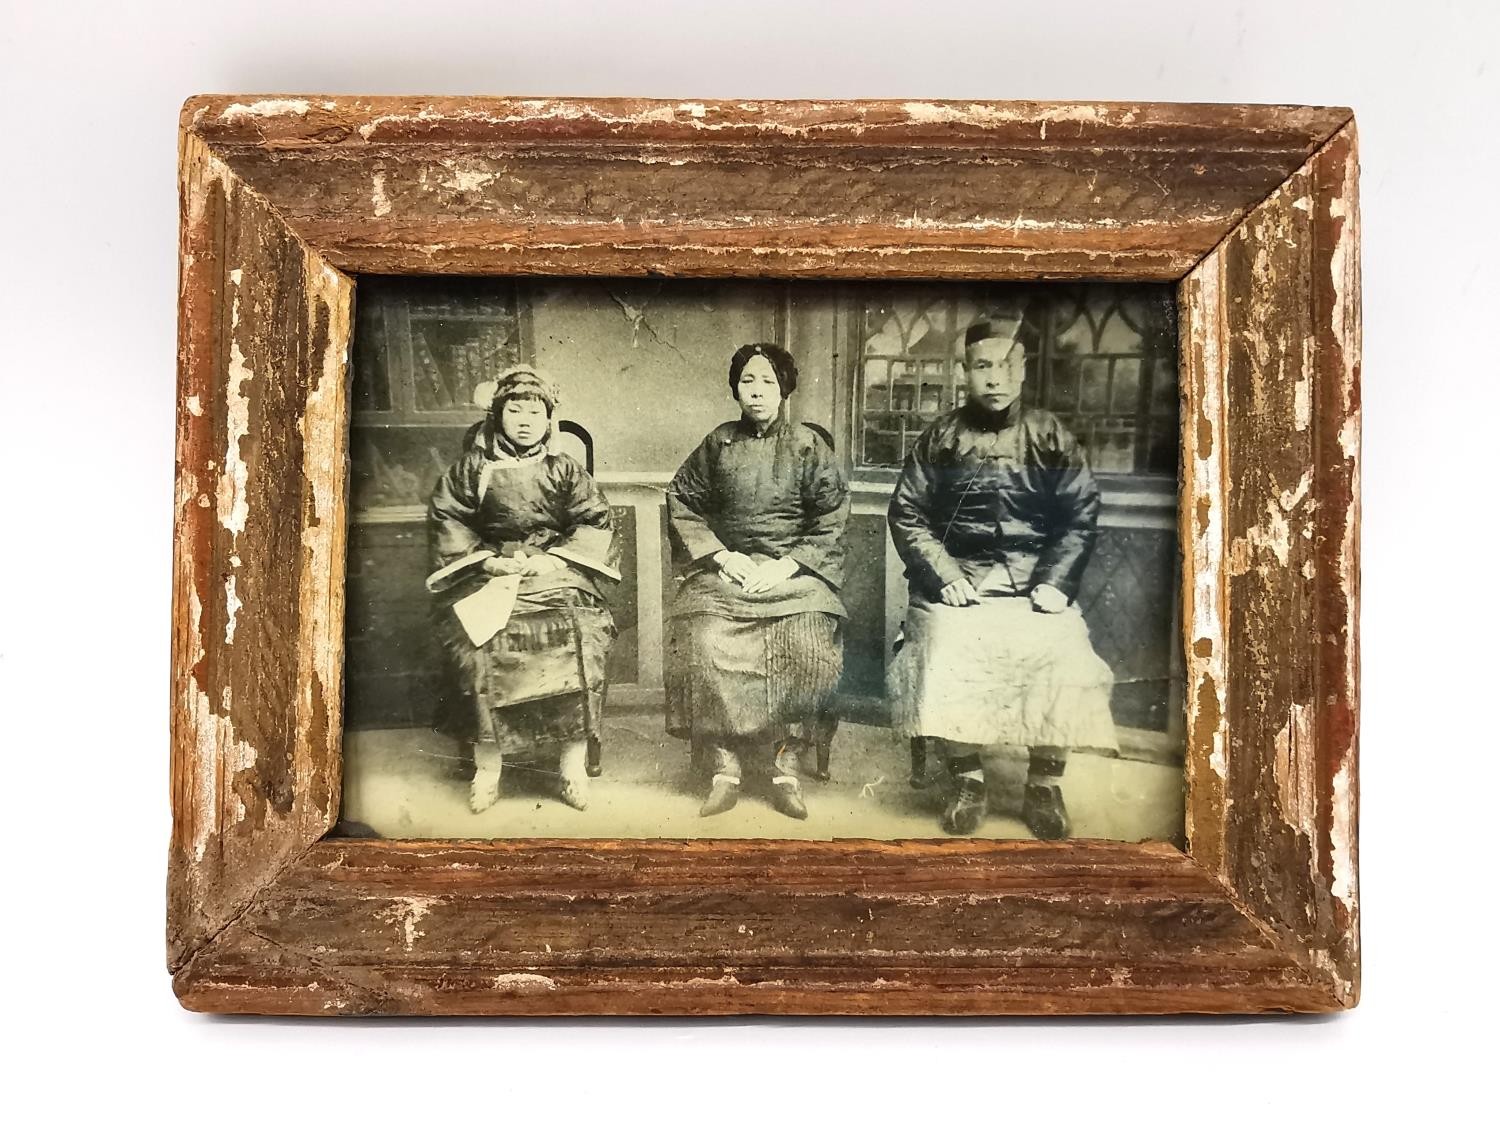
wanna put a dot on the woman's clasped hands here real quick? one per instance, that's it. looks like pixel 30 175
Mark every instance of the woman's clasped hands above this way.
pixel 753 578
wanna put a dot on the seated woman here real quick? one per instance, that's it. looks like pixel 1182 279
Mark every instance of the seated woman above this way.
pixel 508 508
pixel 758 512
pixel 995 515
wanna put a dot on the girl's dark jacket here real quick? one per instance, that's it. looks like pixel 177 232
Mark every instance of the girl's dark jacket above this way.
pixel 492 500
pixel 1007 501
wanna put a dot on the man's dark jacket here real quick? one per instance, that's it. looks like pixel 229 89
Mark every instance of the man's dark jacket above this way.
pixel 1010 494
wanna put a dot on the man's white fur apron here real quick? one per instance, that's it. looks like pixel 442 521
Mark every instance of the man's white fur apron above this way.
pixel 1000 672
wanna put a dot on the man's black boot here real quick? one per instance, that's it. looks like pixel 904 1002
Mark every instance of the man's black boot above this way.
pixel 970 800
pixel 1042 807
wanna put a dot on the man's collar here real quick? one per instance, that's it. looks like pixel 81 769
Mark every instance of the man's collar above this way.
pixel 972 416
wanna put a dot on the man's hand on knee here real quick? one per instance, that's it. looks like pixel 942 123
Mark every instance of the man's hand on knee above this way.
pixel 1046 598
pixel 959 594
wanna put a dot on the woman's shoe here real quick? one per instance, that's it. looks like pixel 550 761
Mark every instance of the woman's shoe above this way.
pixel 721 797
pixel 787 798
pixel 573 774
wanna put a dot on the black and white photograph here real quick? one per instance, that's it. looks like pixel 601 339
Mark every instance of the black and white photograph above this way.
pixel 760 559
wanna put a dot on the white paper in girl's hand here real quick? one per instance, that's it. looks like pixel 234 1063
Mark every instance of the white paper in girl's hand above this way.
pixel 485 612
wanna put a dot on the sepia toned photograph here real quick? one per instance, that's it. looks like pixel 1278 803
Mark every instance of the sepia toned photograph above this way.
pixel 680 559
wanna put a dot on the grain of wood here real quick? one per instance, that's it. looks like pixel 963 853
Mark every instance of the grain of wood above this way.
pixel 258 578
pixel 884 189
pixel 1271 502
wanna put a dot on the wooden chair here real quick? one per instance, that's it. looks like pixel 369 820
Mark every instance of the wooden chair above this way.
pixel 595 765
pixel 825 724
pixel 920 777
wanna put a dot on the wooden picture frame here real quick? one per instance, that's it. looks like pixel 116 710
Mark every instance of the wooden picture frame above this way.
pixel 1252 211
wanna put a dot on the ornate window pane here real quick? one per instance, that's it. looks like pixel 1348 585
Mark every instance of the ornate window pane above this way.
pixel 1102 357
pixel 423 348
pixel 455 346
pixel 1125 392
pixel 910 366
pixel 1108 368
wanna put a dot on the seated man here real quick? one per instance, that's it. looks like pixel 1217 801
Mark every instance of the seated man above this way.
pixel 995 515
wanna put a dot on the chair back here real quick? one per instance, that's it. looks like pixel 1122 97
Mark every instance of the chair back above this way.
pixel 821 432
pixel 577 431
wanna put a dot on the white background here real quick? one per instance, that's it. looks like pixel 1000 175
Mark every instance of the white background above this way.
pixel 87 301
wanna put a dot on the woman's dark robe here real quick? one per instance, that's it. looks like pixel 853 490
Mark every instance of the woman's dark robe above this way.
pixel 741 665
pixel 524 685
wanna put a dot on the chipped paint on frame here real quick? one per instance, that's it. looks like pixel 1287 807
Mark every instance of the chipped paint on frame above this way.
pixel 324 427
pixel 1205 594
pixel 230 807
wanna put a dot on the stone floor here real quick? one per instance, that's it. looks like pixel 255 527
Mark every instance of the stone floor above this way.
pixel 414 784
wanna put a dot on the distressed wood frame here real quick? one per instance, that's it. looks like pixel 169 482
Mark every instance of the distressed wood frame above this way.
pixel 1252 211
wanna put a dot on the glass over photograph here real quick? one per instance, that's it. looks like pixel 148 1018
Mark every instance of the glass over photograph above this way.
pixel 695 559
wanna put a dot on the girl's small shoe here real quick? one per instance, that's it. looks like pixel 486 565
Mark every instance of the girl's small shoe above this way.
pixel 574 793
pixel 484 789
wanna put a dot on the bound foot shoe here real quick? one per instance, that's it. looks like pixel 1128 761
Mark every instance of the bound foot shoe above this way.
pixel 484 791
pixel 965 811
pixel 1043 812
pixel 594 767
pixel 574 793
pixel 787 798
pixel 722 797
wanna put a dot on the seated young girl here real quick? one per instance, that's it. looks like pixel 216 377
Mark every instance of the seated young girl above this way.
pixel 509 508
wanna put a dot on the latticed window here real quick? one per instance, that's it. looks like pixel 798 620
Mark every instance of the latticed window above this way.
pixel 424 347
pixel 1102 357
